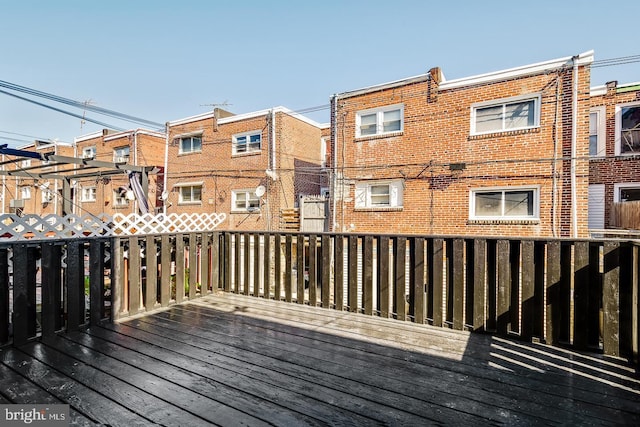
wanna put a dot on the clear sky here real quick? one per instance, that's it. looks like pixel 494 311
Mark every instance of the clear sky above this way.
pixel 166 60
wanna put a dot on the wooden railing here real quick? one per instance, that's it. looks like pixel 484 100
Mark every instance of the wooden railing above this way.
pixel 582 294
pixel 626 215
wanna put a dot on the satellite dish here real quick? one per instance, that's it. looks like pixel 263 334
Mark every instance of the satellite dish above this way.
pixel 260 190
pixel 164 195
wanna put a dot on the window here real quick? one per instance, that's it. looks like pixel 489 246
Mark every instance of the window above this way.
pixel 245 200
pixel 190 144
pixel 380 121
pixel 46 195
pixel 628 129
pixel 88 194
pixel 508 203
pixel 25 192
pixel 25 163
pixel 597 131
pixel 120 197
pixel 121 154
pixel 190 194
pixel 89 152
pixel 247 142
pixel 511 114
pixel 379 195
pixel 626 192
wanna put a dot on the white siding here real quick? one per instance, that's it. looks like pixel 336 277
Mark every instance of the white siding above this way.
pixel 596 206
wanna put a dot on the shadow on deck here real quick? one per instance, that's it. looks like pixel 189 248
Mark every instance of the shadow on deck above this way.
pixel 227 359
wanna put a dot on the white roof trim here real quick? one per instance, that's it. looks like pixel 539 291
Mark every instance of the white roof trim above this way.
pixel 598 90
pixel 88 136
pixel 511 73
pixel 244 116
pixel 124 134
pixel 188 184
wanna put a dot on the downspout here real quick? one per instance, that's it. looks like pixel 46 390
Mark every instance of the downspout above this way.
pixel 273 160
pixel 166 166
pixel 574 139
pixel 135 163
pixel 334 164
pixel 4 189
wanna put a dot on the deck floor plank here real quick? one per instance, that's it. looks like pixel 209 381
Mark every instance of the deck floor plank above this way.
pixel 227 359
pixel 416 376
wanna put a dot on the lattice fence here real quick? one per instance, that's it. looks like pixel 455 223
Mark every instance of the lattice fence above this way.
pixel 27 227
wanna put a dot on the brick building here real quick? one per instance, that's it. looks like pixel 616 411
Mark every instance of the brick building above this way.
pixel 614 167
pixel 250 166
pixel 95 194
pixel 28 193
pixel 484 155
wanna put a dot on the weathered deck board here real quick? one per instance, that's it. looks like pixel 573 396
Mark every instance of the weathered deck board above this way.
pixel 228 359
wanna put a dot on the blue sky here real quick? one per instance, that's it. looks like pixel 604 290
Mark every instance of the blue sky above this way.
pixel 166 60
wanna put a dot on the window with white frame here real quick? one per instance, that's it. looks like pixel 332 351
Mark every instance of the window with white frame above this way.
pixel 245 201
pixel 597 131
pixel 379 194
pixel 120 197
pixel 628 129
pixel 190 194
pixel 248 142
pixel 89 152
pixel 626 192
pixel 121 154
pixel 25 192
pixel 46 195
pixel 504 203
pixel 190 144
pixel 25 163
pixel 380 121
pixel 505 115
pixel 89 194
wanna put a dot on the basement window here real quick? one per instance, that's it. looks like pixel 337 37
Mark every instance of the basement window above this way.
pixel 504 203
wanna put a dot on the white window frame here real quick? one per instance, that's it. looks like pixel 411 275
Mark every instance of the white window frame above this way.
pixel 120 199
pixel 618 135
pixel 249 149
pixel 504 102
pixel 46 195
pixel 379 112
pixel 121 154
pixel 25 163
pixel 89 194
pixel 601 133
pixel 248 196
pixel 190 137
pixel 502 217
pixel 620 186
pixel 89 152
pixel 25 192
pixel 364 198
pixel 192 185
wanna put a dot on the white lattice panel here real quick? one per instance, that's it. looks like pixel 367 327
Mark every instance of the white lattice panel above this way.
pixel 134 224
pixel 26 227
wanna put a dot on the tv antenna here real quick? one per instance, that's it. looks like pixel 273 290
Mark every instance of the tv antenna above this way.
pixel 84 112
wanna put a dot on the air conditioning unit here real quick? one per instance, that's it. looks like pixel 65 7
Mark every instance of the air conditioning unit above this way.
pixel 16 203
pixel 120 159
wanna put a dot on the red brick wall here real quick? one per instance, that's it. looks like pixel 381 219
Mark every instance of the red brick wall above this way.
pixel 437 133
pixel 610 170
pixel 221 172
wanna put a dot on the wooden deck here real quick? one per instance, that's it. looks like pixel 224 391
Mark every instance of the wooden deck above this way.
pixel 227 359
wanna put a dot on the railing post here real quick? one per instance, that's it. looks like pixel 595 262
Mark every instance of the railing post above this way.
pixel 96 281
pixel 383 276
pixel 416 279
pixel 399 277
pixel 165 270
pixel 611 299
pixel 338 280
pixel 477 298
pixel 117 279
pixel 151 271
pixel 180 268
pixel 326 271
pixel 367 274
pixel 193 265
pixel 75 285
pixel 24 294
pixel 436 286
pixel 205 263
pixel 134 275
pixel 4 296
pixel 457 283
pixel 313 271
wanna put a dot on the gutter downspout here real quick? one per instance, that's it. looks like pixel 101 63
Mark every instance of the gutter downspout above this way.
pixel 574 139
pixel 166 166
pixel 273 158
pixel 334 157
